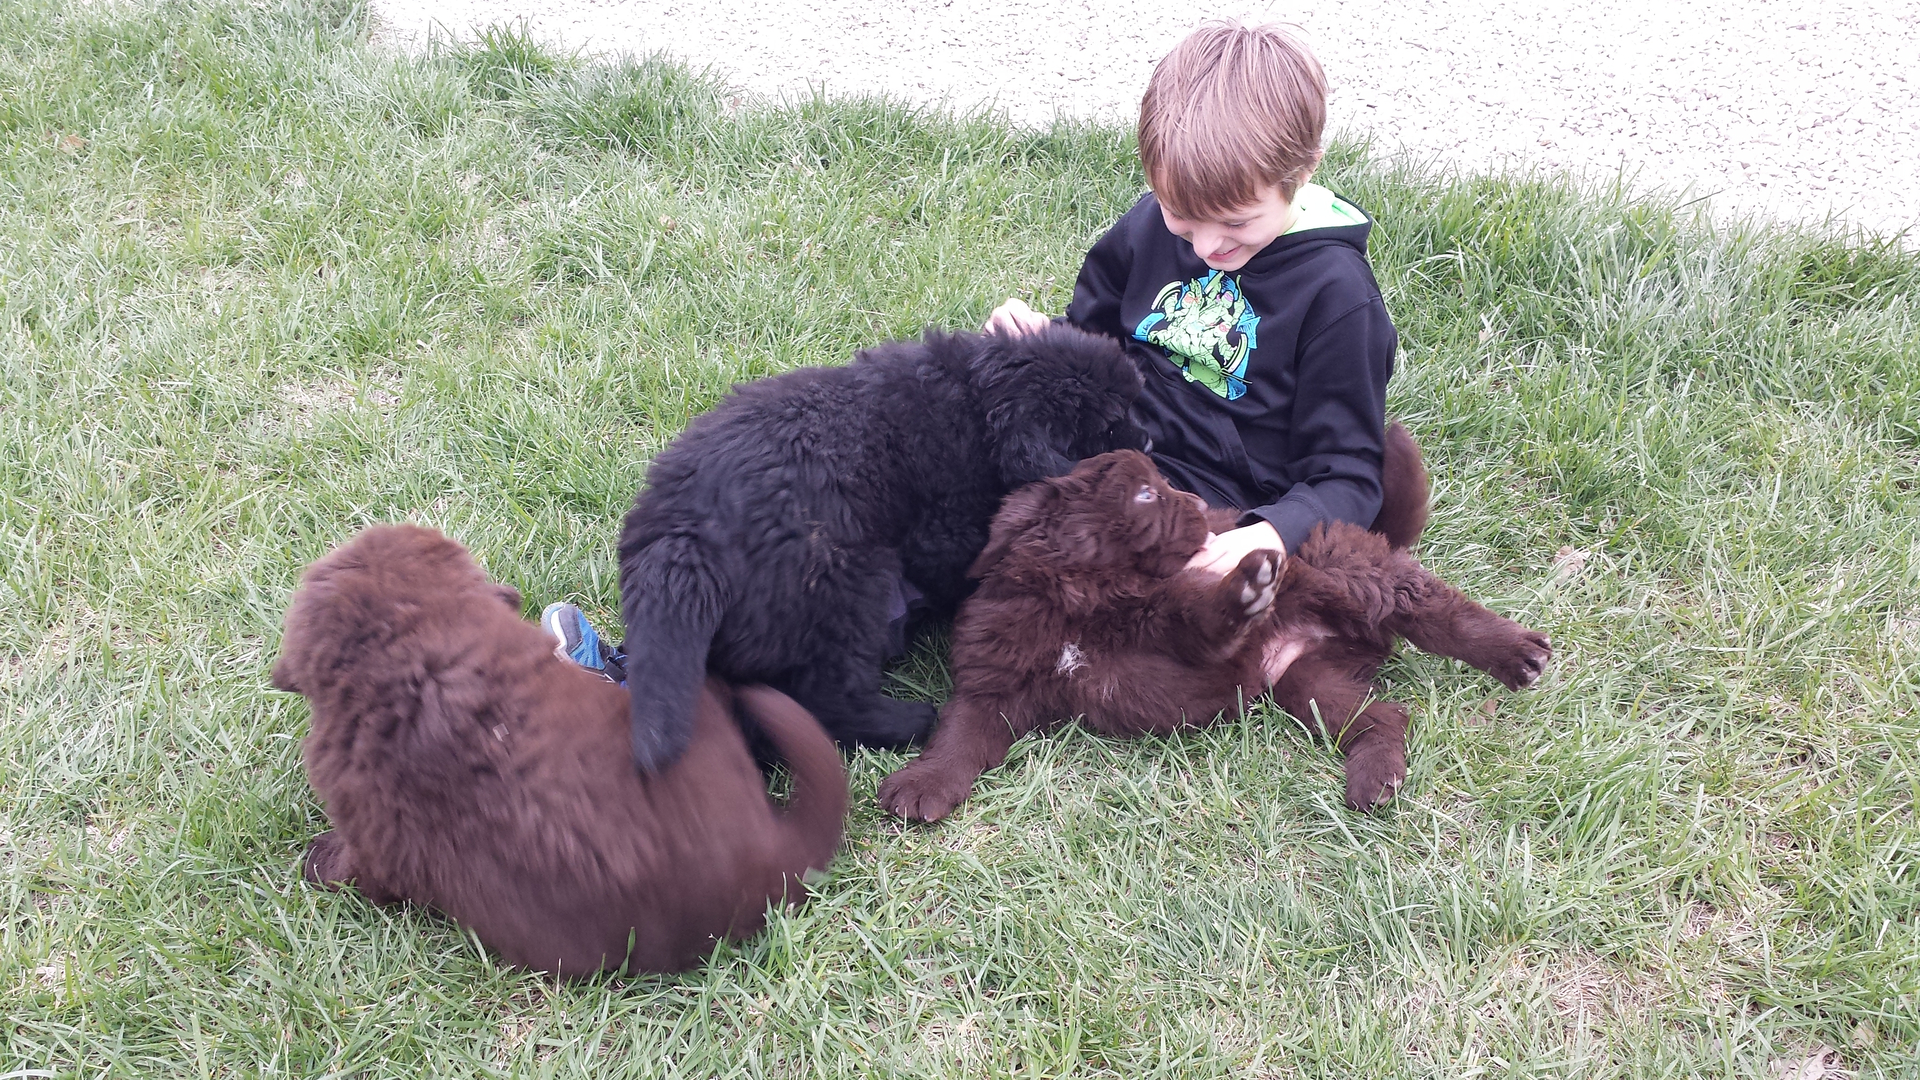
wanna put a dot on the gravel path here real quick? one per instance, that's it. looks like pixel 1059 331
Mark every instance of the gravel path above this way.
pixel 1806 111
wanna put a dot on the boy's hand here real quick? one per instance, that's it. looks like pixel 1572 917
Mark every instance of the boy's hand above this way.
pixel 1016 318
pixel 1225 550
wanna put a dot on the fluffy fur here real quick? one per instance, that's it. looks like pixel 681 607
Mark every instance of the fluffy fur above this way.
pixel 466 767
pixel 769 542
pixel 1085 609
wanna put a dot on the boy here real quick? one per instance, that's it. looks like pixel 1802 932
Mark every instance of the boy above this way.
pixel 1244 294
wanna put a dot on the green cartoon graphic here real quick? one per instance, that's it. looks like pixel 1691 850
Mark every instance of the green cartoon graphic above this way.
pixel 1207 329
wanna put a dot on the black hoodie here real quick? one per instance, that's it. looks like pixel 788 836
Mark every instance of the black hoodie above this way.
pixel 1265 386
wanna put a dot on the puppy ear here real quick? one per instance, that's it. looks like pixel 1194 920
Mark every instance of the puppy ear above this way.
pixel 1026 399
pixel 1024 446
pixel 508 595
pixel 1081 539
pixel 1022 512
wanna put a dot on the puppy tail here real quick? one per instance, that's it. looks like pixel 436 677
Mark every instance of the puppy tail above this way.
pixel 817 811
pixel 671 602
pixel 1403 490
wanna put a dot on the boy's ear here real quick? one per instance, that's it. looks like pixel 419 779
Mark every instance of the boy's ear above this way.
pixel 1306 174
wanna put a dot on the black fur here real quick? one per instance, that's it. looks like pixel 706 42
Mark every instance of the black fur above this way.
pixel 768 541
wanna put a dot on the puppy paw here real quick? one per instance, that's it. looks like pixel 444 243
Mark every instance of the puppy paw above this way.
pixel 1523 660
pixel 1374 774
pixel 329 862
pixel 920 792
pixel 1257 579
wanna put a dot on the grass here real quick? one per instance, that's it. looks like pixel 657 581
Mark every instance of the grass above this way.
pixel 261 285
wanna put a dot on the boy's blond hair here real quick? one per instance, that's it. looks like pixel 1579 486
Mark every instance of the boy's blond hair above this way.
pixel 1229 111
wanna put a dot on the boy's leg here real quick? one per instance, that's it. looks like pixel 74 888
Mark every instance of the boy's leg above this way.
pixel 580 643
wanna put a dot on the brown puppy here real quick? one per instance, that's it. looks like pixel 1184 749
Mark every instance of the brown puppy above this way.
pixel 1085 609
pixel 466 767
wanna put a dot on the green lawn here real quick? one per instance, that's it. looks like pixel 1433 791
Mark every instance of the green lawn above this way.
pixel 261 285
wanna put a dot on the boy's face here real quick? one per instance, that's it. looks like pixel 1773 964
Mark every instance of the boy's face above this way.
pixel 1227 242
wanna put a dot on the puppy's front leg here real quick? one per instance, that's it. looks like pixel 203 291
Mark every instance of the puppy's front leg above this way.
pixel 330 864
pixel 973 735
pixel 1206 621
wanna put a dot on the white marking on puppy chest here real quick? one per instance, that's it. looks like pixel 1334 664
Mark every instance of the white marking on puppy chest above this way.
pixel 1071 659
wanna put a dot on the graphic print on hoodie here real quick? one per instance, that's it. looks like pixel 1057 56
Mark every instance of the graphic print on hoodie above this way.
pixel 1209 327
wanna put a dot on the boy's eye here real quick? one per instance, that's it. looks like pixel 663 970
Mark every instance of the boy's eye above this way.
pixel 1145 495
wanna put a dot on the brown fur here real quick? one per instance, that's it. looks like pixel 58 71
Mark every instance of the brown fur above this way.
pixel 466 767
pixel 1085 609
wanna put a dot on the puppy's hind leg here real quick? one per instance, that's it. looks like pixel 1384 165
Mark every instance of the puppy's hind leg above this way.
pixel 844 693
pixel 1333 696
pixel 840 682
pixel 1439 619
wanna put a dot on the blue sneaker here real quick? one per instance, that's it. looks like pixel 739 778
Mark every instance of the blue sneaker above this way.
pixel 580 643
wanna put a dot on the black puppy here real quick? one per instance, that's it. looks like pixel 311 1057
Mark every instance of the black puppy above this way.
pixel 771 540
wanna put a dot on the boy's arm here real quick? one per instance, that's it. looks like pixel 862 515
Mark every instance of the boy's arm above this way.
pixel 1223 552
pixel 1016 318
pixel 1338 427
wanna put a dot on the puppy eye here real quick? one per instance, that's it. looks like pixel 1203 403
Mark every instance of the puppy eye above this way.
pixel 1145 495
